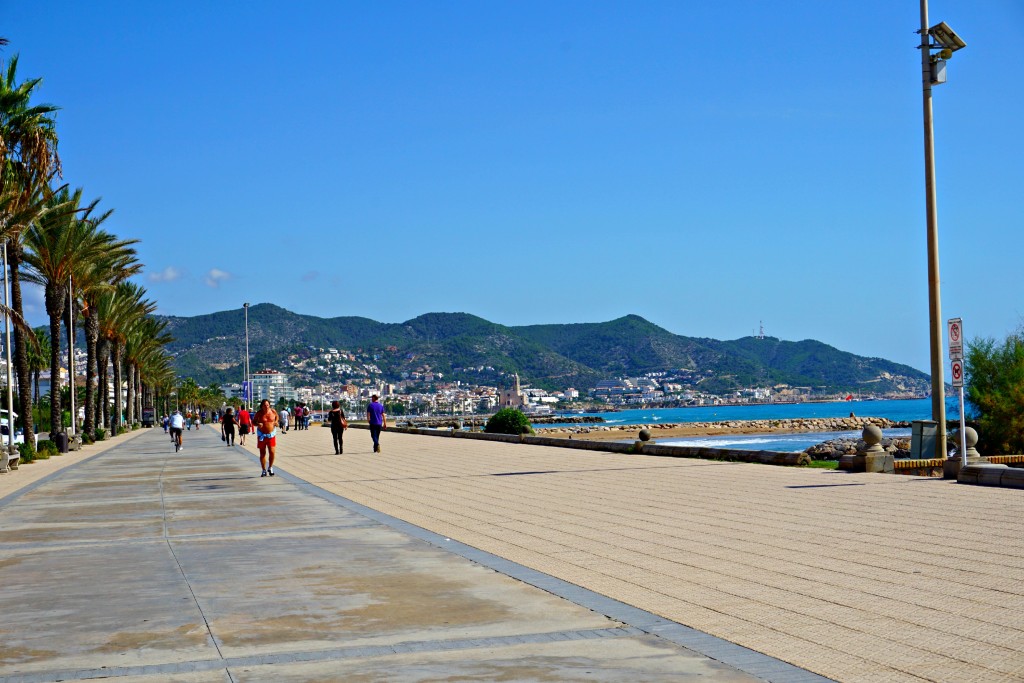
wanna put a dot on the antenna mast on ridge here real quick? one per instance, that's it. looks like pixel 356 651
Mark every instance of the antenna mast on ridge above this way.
pixel 761 334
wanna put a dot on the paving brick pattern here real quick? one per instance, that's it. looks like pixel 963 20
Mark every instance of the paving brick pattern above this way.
pixel 858 577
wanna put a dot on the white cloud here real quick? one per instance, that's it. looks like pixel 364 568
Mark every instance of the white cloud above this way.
pixel 215 277
pixel 168 274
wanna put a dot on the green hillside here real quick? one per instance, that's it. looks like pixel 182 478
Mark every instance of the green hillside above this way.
pixel 463 346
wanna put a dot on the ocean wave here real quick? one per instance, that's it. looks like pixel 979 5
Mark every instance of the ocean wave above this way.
pixel 719 442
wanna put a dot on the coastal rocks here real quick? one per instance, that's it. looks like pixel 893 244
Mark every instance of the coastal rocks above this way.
pixel 795 425
pixel 836 448
pixel 566 419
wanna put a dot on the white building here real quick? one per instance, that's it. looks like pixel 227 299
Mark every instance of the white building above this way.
pixel 271 385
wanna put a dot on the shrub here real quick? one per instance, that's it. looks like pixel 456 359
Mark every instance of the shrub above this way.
pixel 509 421
pixel 87 438
pixel 135 425
pixel 100 434
pixel 47 448
pixel 995 389
pixel 28 452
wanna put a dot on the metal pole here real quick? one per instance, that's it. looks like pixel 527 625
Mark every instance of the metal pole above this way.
pixel 963 436
pixel 71 353
pixel 934 301
pixel 248 380
pixel 7 349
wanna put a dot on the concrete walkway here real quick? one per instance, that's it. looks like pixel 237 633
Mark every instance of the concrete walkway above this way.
pixel 858 577
pixel 143 565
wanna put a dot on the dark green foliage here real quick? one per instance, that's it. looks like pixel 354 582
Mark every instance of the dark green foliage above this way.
pixel 509 421
pixel 87 438
pixel 995 390
pixel 100 434
pixel 27 451
pixel 47 448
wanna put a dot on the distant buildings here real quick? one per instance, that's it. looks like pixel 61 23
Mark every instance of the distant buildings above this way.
pixel 271 385
pixel 514 397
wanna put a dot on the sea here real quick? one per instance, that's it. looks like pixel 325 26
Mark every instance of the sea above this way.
pixel 900 411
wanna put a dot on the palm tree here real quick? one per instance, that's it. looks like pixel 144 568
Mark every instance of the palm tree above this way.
pixel 38 359
pixel 93 278
pixel 55 242
pixel 118 311
pixel 28 160
pixel 143 349
pixel 188 393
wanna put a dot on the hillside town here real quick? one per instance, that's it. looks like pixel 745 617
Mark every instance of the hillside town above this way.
pixel 353 376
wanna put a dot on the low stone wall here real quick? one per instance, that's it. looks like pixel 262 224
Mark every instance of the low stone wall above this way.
pixel 735 455
pixel 927 467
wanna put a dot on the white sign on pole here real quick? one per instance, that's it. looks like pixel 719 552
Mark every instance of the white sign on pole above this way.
pixel 958 373
pixel 955 326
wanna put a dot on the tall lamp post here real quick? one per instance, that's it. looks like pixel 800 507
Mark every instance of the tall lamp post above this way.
pixel 10 373
pixel 248 380
pixel 943 39
pixel 71 355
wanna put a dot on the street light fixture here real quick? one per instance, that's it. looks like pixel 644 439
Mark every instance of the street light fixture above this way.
pixel 933 72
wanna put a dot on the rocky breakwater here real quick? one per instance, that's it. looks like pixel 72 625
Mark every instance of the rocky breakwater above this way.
pixel 789 426
pixel 836 448
pixel 565 419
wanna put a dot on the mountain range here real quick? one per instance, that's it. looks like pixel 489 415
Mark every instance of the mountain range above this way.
pixel 211 348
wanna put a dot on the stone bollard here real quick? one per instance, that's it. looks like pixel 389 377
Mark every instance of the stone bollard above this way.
pixel 952 466
pixel 642 438
pixel 872 458
pixel 978 469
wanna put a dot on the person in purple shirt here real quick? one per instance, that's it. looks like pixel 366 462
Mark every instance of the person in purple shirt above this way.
pixel 377 419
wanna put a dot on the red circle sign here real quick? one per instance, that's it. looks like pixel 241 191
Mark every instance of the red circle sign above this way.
pixel 954 332
pixel 957 371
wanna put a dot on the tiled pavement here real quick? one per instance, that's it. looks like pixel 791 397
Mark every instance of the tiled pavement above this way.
pixel 858 577
pixel 139 564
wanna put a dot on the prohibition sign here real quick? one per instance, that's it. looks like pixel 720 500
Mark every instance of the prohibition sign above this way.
pixel 958 373
pixel 954 332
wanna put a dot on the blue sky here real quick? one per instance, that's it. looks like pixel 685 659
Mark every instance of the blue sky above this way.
pixel 704 165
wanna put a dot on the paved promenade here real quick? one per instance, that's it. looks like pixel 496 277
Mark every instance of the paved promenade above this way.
pixel 140 565
pixel 858 577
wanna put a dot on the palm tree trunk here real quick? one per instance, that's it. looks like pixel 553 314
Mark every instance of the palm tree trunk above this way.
pixel 92 332
pixel 36 377
pixel 55 309
pixel 140 389
pixel 20 345
pixel 115 353
pixel 103 382
pixel 129 403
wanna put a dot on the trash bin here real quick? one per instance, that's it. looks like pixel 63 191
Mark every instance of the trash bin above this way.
pixel 923 437
pixel 60 439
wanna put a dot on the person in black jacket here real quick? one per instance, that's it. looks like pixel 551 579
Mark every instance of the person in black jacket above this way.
pixel 336 416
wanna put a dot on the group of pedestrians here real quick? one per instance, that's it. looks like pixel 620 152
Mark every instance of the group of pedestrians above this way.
pixel 266 422
pixel 299 418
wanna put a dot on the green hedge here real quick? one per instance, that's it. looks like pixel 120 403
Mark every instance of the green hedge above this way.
pixel 509 421
pixel 28 452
